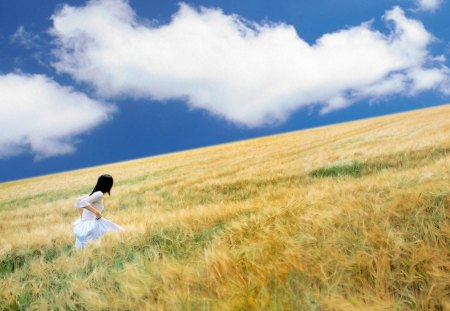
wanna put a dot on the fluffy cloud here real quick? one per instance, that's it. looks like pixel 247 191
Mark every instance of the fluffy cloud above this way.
pixel 249 73
pixel 43 117
pixel 428 5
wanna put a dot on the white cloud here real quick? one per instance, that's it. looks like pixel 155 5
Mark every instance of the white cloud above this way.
pixel 41 116
pixel 249 73
pixel 428 5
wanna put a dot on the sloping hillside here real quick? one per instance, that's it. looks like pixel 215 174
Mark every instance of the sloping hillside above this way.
pixel 351 216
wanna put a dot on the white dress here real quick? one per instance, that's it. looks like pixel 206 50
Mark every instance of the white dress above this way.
pixel 87 227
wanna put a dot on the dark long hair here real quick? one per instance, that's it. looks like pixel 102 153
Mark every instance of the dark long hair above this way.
pixel 104 184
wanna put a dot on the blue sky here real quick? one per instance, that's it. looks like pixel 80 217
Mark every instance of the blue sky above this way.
pixel 84 83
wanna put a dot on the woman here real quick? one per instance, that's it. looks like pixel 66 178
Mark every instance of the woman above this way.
pixel 92 225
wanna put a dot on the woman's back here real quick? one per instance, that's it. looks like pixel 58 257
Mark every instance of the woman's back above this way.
pixel 95 199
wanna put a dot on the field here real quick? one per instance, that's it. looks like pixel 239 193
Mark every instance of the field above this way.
pixel 353 216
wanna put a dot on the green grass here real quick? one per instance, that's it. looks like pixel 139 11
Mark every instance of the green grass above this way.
pixel 402 160
pixel 354 169
pixel 15 260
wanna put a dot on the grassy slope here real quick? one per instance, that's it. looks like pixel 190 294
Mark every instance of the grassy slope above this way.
pixel 351 216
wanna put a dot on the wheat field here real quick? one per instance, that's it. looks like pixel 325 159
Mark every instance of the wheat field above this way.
pixel 353 216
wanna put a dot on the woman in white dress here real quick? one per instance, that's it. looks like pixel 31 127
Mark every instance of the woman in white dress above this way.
pixel 91 225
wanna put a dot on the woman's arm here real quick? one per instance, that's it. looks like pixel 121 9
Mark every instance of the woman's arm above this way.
pixel 86 203
pixel 93 210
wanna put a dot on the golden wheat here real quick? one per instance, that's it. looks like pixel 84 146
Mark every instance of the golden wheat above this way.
pixel 346 217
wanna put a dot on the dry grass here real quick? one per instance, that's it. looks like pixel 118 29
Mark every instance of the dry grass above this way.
pixel 348 217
